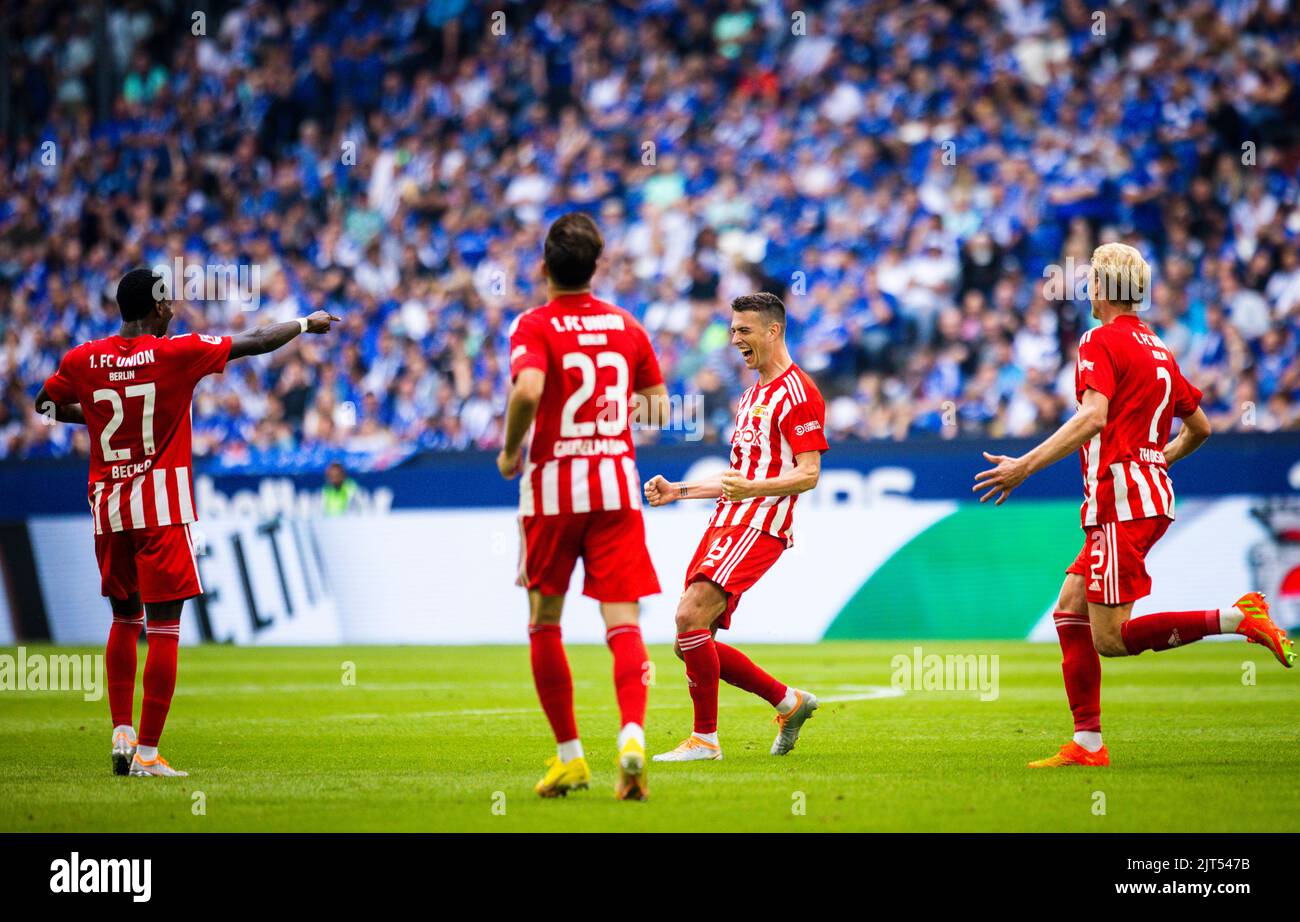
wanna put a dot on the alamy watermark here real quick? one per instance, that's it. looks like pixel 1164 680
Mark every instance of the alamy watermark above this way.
pixel 923 671
pixel 183 280
pixel 76 874
pixel 1071 281
pixel 53 672
pixel 672 413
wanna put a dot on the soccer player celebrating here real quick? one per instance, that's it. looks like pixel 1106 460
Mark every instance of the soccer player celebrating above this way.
pixel 133 392
pixel 576 363
pixel 1129 390
pixel 776 451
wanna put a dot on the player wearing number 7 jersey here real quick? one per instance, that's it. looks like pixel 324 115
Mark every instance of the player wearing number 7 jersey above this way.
pixel 577 364
pixel 133 392
pixel 1129 389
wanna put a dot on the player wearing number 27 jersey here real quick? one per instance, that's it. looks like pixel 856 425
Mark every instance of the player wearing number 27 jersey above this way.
pixel 133 393
pixel 578 364
pixel 1129 389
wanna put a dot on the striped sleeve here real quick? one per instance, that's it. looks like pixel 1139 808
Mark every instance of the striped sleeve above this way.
pixel 803 426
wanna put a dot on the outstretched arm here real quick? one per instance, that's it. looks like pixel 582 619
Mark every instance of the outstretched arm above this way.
pixel 660 491
pixel 1012 472
pixel 272 336
pixel 64 413
pixel 1196 429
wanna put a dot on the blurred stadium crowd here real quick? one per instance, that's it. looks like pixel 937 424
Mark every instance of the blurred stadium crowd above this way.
pixel 901 173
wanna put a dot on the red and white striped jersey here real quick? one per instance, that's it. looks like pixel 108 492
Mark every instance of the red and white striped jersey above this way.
pixel 136 394
pixel 595 356
pixel 774 422
pixel 1125 476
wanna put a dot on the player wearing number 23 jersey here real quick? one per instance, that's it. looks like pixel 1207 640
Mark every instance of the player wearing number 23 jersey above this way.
pixel 579 491
pixel 576 364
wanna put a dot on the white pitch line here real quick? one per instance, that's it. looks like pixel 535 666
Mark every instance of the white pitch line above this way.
pixel 863 693
pixel 855 693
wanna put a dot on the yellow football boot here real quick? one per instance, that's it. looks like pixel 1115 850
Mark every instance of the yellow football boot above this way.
pixel 563 777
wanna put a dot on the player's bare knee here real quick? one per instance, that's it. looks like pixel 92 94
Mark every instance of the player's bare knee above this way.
pixel 1109 644
pixel 1072 597
pixel 129 607
pixel 695 613
pixel 692 617
pixel 546 609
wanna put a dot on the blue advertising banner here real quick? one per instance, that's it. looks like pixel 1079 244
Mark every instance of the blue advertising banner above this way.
pixel 1231 464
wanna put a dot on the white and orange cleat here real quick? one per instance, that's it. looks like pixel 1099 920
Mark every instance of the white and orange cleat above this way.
pixel 692 749
pixel 156 767
pixel 123 749
pixel 793 720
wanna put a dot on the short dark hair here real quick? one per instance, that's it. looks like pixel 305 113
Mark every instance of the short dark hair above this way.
pixel 765 303
pixel 573 244
pixel 136 293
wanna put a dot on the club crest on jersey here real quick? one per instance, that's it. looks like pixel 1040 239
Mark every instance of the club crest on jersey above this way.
pixel 759 411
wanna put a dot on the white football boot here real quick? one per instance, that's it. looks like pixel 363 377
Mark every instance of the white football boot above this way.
pixel 692 749
pixel 123 749
pixel 805 704
pixel 156 767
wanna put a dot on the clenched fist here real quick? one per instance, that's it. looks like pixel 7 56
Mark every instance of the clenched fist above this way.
pixel 659 492
pixel 735 487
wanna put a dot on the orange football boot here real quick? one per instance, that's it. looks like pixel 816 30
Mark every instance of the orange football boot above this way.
pixel 1257 627
pixel 1074 754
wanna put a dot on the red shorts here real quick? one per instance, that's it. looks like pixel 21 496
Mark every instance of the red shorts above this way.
pixel 1113 559
pixel 158 563
pixel 611 545
pixel 733 557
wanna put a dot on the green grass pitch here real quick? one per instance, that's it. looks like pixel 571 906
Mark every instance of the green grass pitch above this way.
pixel 448 738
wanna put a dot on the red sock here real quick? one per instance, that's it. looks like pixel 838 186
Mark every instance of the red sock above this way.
pixel 553 680
pixel 159 679
pixel 735 668
pixel 119 663
pixel 1167 629
pixel 701 656
pixel 1081 666
pixel 629 671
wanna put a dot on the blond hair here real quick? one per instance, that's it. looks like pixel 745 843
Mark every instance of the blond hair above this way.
pixel 1119 275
